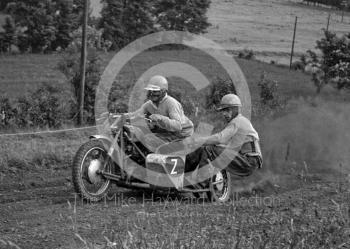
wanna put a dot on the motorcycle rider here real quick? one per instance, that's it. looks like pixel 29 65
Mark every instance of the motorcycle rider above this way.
pixel 237 144
pixel 166 113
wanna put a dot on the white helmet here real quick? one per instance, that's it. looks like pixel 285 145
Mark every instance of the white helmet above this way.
pixel 229 100
pixel 157 83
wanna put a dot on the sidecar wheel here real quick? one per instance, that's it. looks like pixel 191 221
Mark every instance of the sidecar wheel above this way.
pixel 220 187
pixel 90 158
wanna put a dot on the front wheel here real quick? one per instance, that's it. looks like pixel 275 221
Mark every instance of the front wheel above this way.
pixel 220 188
pixel 89 159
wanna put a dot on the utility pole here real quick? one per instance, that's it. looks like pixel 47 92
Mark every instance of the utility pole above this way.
pixel 292 52
pixel 83 63
pixel 329 17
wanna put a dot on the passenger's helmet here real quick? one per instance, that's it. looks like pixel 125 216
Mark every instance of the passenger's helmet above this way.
pixel 157 83
pixel 229 100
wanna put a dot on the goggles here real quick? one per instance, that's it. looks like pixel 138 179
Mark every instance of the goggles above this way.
pixel 154 93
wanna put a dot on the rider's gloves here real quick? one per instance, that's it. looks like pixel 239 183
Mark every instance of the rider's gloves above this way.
pixel 158 119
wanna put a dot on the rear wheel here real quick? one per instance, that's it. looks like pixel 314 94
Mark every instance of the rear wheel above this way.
pixel 220 187
pixel 89 159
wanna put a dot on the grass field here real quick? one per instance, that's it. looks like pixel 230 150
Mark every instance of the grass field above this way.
pixel 22 73
pixel 267 26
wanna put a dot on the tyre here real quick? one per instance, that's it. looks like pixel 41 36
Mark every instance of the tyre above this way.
pixel 91 157
pixel 220 187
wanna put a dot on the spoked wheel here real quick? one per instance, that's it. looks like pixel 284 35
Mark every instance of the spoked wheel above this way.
pixel 89 159
pixel 220 187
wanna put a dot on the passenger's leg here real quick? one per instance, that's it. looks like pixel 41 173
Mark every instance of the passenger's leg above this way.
pixel 200 157
pixel 243 165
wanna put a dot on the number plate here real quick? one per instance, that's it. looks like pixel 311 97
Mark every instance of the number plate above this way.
pixel 175 165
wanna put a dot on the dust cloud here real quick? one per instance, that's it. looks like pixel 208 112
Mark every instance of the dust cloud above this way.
pixel 314 137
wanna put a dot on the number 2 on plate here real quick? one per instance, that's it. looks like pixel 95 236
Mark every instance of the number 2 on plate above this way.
pixel 173 172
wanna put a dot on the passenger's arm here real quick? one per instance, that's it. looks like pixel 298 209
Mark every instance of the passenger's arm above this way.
pixel 222 137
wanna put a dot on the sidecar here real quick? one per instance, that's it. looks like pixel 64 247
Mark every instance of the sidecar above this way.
pixel 121 158
pixel 169 170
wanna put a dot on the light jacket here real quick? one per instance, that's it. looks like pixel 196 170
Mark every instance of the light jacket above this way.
pixel 173 117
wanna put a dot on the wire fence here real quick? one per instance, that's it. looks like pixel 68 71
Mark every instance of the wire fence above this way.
pixel 47 132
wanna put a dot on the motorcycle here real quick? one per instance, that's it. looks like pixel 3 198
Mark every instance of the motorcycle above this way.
pixel 119 155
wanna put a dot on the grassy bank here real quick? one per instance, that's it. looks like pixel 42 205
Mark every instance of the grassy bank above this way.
pixel 23 73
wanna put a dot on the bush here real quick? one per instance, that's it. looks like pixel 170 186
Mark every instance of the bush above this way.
pixel 270 101
pixel 45 107
pixel 217 90
pixel 247 54
pixel 334 66
pixel 41 108
pixel 186 101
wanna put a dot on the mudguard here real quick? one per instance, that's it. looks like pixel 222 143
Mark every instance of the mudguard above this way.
pixel 107 142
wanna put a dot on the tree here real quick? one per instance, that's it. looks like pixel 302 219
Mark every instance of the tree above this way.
pixel 36 20
pixel 9 37
pixel 182 15
pixel 334 65
pixel 123 21
pixel 336 59
pixel 45 25
pixel 65 22
pixel 3 4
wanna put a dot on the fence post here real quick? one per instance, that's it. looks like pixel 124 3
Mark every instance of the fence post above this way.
pixel 292 52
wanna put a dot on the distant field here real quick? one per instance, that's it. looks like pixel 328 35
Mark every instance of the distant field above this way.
pixel 23 73
pixel 267 26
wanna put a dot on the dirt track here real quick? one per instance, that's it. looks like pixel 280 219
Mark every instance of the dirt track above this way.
pixel 43 212
pixel 39 212
pixel 32 213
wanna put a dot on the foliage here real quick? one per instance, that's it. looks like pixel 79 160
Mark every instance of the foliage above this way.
pixel 65 22
pixel 270 100
pixel 125 21
pixel 9 38
pixel 186 101
pixel 41 108
pixel 334 65
pixel 70 66
pixel 217 90
pixel 3 4
pixel 335 3
pixel 182 15
pixel 336 58
pixel 246 54
pixel 44 25
pixel 93 39
pixel 36 19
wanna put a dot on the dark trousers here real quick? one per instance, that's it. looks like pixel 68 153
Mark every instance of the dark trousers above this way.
pixel 232 161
